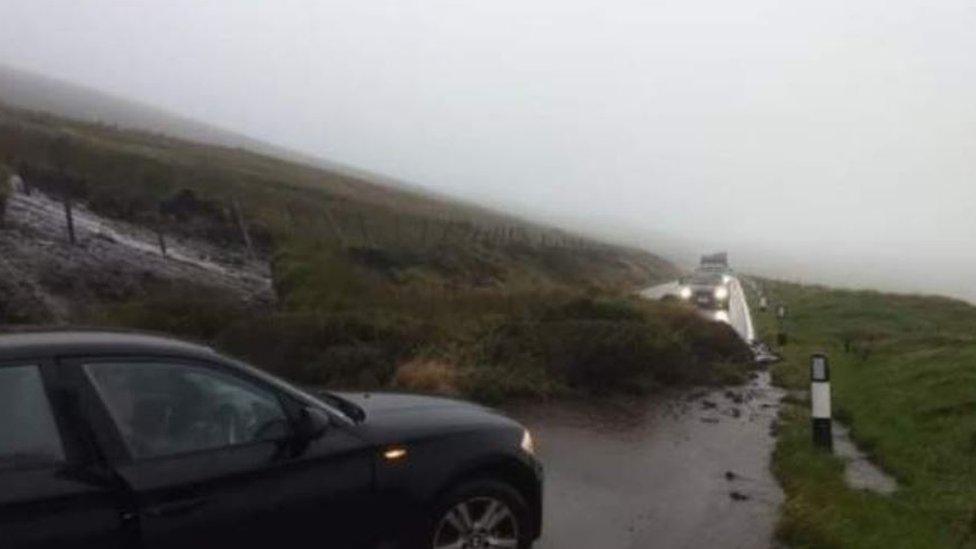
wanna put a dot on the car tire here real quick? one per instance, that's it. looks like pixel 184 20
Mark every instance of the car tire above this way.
pixel 478 497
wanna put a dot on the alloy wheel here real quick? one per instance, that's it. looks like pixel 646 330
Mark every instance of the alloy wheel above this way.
pixel 477 523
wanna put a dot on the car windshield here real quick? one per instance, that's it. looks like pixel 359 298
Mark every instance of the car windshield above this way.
pixel 706 279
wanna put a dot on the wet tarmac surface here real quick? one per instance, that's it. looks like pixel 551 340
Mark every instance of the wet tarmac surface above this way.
pixel 686 470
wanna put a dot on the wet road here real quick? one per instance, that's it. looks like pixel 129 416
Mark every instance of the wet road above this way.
pixel 682 470
pixel 687 470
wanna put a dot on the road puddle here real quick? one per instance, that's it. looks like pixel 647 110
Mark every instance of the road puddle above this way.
pixel 686 469
pixel 860 473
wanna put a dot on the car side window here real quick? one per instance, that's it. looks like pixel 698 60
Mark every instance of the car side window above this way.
pixel 164 409
pixel 28 433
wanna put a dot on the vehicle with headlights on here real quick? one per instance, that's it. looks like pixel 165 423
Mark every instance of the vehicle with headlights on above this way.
pixel 132 440
pixel 707 290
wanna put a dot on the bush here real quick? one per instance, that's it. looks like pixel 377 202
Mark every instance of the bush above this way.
pixel 608 345
pixel 339 349
pixel 549 344
pixel 603 355
pixel 427 376
pixel 186 311
pixel 595 309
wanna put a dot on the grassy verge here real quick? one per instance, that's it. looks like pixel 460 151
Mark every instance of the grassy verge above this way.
pixel 903 377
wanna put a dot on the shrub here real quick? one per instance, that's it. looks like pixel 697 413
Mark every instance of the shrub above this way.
pixel 178 309
pixel 427 376
pixel 603 355
pixel 595 309
pixel 606 345
pixel 339 349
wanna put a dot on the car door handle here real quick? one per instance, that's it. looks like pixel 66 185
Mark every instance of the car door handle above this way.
pixel 173 508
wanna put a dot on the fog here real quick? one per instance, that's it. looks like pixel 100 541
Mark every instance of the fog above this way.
pixel 828 141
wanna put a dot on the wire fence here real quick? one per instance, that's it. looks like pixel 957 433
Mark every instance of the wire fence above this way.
pixel 348 226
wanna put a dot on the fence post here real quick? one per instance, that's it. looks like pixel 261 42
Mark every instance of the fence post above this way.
pixel 69 217
pixel 781 337
pixel 161 238
pixel 245 234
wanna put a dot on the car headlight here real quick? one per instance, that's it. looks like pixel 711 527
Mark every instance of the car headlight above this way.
pixel 721 293
pixel 685 293
pixel 726 279
pixel 527 445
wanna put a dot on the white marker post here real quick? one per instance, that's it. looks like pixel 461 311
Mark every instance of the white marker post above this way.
pixel 763 303
pixel 820 401
pixel 780 321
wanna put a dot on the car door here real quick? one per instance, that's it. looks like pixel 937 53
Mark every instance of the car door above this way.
pixel 53 492
pixel 212 457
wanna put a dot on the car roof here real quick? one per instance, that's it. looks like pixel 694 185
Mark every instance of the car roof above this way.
pixel 47 343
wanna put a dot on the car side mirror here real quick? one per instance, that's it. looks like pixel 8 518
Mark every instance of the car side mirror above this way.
pixel 312 424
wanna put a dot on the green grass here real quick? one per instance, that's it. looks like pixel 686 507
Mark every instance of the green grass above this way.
pixel 904 377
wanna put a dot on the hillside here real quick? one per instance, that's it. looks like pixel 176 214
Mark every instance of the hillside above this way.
pixel 323 276
pixel 32 91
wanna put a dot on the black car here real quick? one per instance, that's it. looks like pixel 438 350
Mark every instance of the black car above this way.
pixel 132 440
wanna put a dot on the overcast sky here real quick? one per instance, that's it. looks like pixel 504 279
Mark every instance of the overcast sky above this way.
pixel 827 140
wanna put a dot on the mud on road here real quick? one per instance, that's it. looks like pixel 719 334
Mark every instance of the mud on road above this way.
pixel 685 470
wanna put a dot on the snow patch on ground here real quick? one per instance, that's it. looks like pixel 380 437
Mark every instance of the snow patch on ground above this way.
pixel 40 267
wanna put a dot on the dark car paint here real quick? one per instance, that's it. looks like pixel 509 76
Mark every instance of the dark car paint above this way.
pixel 436 432
pixel 336 487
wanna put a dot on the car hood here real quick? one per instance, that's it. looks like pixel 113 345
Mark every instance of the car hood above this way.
pixel 702 287
pixel 386 403
pixel 399 416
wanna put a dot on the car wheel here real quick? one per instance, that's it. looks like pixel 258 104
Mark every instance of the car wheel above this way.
pixel 480 515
